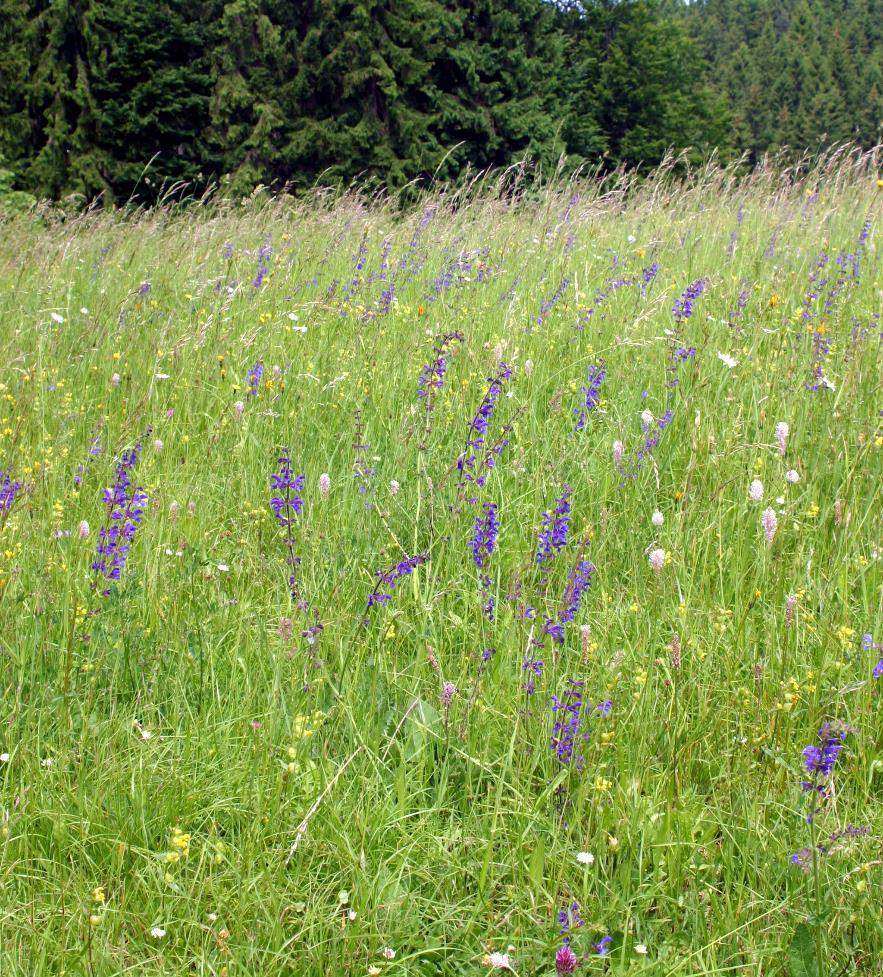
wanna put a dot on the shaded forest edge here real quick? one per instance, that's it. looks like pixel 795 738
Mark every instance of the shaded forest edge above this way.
pixel 112 100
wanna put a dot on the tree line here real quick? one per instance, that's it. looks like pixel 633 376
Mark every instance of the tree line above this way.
pixel 117 99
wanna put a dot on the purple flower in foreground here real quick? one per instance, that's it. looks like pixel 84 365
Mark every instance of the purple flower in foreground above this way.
pixel 819 760
pixel 287 504
pixel 565 960
pixel 878 669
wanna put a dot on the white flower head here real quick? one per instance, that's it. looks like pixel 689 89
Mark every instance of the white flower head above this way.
pixel 585 858
pixel 388 953
pixel 499 961
pixel 641 948
pixel 657 518
pixel 157 932
pixel 792 477
pixel 657 559
pixel 56 317
pixel 727 360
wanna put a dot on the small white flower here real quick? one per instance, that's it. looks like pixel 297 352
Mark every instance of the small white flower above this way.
pixel 223 567
pixel 394 487
pixel 827 383
pixel 755 490
pixel 727 360
pixel 324 484
pixel 160 376
pixel 115 379
pixel 647 418
pixel 84 311
pixel 657 518
pixel 46 762
pixel 585 858
pixel 146 734
pixel 212 917
pixel 4 758
pixel 351 915
pixel 792 477
pixel 56 317
pixel 388 953
pixel 157 932
pixel 780 500
pixel 632 239
pixel 500 961
pixel 157 446
pixel 641 948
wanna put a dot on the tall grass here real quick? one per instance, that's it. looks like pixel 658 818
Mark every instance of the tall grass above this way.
pixel 197 778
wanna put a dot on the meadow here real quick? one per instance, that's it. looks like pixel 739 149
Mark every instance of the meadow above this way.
pixel 493 584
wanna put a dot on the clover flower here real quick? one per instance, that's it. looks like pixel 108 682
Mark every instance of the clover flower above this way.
pixel 565 960
pixel 769 523
pixel 755 490
pixel 782 431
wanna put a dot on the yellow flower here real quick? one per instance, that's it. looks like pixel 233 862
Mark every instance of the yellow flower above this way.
pixel 880 184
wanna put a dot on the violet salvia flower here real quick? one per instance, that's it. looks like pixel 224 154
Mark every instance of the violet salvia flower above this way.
pixel 125 507
pixel 253 378
pixel 534 669
pixel 578 583
pixel 570 918
pixel 389 578
pixel 602 947
pixel 589 394
pixel 647 277
pixel 478 428
pixel 553 537
pixel 287 504
pixel 555 630
pixel 485 530
pixel 8 491
pixel 683 307
pixel 432 377
pixel 94 452
pixel 567 731
pixel 819 760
